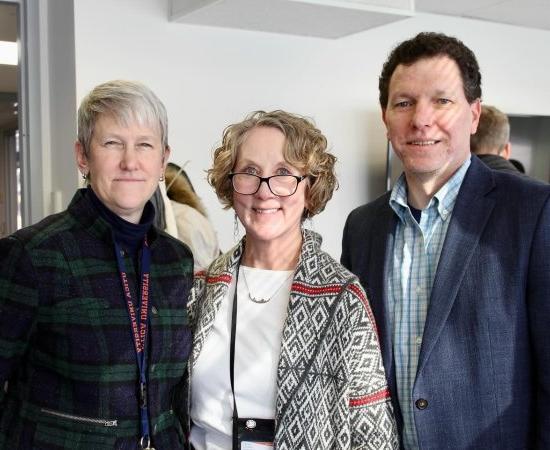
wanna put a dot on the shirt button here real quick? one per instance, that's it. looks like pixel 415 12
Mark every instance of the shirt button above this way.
pixel 419 340
pixel 154 310
pixel 421 403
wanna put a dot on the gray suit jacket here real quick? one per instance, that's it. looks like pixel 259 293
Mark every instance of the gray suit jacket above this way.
pixel 484 365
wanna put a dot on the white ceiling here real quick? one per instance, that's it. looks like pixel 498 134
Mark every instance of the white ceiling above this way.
pixel 526 13
pixel 317 18
pixel 337 18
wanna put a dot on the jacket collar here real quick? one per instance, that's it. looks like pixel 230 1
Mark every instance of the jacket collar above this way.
pixel 83 211
pixel 226 265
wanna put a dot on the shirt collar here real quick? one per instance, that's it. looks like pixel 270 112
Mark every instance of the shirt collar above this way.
pixel 443 200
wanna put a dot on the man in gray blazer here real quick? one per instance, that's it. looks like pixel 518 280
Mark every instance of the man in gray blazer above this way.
pixel 455 260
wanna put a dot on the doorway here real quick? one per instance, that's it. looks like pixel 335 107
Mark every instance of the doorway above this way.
pixel 10 161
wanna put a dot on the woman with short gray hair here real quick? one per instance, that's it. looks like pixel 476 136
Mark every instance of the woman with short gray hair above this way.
pixel 93 325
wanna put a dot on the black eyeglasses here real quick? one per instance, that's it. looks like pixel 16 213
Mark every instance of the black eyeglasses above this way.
pixel 279 185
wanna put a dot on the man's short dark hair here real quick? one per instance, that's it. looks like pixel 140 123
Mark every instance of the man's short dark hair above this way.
pixel 430 45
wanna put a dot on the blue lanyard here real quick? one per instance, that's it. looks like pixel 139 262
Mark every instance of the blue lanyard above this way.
pixel 139 324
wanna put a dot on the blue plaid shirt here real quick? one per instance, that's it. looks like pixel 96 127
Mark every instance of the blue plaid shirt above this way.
pixel 416 251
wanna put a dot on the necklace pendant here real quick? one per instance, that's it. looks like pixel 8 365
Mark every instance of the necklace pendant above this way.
pixel 258 300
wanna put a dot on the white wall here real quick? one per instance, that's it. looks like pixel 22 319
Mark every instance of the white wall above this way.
pixel 210 77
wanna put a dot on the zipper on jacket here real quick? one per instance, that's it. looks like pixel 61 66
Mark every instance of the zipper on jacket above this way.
pixel 91 420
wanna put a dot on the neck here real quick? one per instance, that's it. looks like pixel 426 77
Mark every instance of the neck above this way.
pixel 421 187
pixel 420 193
pixel 272 255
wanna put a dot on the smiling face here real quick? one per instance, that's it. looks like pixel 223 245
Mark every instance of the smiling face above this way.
pixel 429 120
pixel 267 218
pixel 124 164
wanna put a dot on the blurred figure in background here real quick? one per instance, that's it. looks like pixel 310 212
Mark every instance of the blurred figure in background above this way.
pixel 491 142
pixel 518 165
pixel 181 214
pixel 192 225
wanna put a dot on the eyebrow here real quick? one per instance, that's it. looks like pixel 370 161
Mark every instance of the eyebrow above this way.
pixel 405 94
pixel 250 161
pixel 115 135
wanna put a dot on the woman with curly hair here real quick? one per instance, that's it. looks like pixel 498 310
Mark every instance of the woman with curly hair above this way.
pixel 285 351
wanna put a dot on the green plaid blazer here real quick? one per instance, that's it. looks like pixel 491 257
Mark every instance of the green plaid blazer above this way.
pixel 67 361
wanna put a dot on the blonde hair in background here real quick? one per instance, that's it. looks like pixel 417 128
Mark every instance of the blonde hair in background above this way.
pixel 180 189
pixel 493 131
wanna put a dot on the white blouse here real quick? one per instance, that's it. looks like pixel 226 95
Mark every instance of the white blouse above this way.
pixel 257 350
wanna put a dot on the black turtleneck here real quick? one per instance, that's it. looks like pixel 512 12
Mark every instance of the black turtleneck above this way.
pixel 127 234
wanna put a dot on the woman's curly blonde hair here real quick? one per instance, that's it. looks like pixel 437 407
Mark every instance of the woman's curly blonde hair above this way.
pixel 305 148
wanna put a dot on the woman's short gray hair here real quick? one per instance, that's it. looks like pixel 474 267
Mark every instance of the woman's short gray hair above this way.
pixel 127 102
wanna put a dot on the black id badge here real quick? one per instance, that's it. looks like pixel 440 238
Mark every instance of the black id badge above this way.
pixel 253 434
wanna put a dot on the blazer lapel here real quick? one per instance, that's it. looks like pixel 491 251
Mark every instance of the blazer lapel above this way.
pixel 382 237
pixel 470 215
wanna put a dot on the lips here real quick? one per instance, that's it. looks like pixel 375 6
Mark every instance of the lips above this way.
pixel 265 210
pixel 423 142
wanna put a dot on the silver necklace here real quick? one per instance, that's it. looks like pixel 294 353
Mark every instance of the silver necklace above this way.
pixel 263 300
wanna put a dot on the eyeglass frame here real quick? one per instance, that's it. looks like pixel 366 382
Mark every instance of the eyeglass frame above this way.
pixel 299 179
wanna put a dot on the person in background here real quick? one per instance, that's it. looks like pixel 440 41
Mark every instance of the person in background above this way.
pixel 517 164
pixel 305 369
pixel 93 325
pixel 192 224
pixel 455 259
pixel 491 141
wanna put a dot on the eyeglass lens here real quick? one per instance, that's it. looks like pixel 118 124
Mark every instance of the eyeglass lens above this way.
pixel 281 185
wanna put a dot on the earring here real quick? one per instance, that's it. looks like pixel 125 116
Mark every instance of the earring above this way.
pixel 84 176
pixel 235 228
pixel 161 177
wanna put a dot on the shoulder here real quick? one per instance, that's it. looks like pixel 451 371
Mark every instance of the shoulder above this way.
pixel 522 185
pixel 215 279
pixel 42 233
pixel 171 257
pixel 318 268
pixel 221 269
pixel 323 276
pixel 39 245
pixel 511 191
pixel 165 240
pixel 367 211
pixel 481 180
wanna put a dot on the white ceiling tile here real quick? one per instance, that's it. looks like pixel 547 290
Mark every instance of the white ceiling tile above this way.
pixel 453 8
pixel 308 18
pixel 533 13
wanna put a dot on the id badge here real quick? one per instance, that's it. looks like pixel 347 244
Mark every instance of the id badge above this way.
pixel 253 434
pixel 248 445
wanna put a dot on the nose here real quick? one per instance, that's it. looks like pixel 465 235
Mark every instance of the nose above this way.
pixel 423 115
pixel 129 159
pixel 264 191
